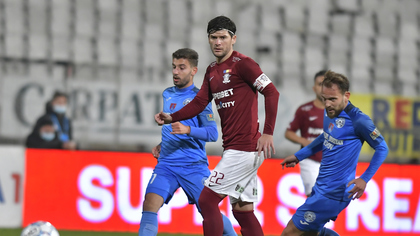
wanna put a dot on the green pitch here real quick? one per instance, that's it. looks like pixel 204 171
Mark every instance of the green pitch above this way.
pixel 16 232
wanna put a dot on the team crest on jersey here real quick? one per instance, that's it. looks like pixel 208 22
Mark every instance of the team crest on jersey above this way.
pixel 226 78
pixel 235 59
pixel 330 127
pixel 172 106
pixel 186 101
pixel 309 216
pixel 340 122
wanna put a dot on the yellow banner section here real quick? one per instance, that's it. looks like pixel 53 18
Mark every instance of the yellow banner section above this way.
pixel 398 120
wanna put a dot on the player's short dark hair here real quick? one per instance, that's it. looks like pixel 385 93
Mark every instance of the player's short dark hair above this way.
pixel 221 23
pixel 187 53
pixel 340 80
pixel 320 73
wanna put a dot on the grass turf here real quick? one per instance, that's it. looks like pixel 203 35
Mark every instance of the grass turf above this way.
pixel 16 232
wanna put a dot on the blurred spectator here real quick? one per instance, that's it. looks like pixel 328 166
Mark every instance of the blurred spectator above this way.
pixel 41 136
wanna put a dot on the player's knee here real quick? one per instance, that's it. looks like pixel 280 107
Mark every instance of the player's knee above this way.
pixel 152 202
pixel 290 229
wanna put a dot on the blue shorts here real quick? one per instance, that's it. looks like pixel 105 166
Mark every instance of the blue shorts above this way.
pixel 167 179
pixel 317 211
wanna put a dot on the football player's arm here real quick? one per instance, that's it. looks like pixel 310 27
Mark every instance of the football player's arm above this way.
pixel 314 147
pixel 367 130
pixel 207 130
pixel 295 125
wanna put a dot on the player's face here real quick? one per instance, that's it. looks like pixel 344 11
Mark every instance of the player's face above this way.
pixel 318 87
pixel 334 100
pixel 182 72
pixel 221 44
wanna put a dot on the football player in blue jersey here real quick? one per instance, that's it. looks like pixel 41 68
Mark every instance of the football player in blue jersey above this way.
pixel 182 159
pixel 346 128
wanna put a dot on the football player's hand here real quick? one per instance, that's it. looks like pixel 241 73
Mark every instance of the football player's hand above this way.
pixel 265 143
pixel 163 118
pixel 156 151
pixel 290 161
pixel 358 189
pixel 179 128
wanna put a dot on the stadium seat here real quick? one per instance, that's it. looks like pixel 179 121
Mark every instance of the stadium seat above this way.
pixel 247 18
pixel 363 25
pixel 222 8
pixel 361 49
pixel 291 47
pixel 60 47
pixel 153 32
pixel 108 18
pixel 371 5
pixel 318 18
pixel 15 19
pixel 153 54
pixel 155 12
pixel 85 18
pixel 202 12
pixel 384 51
pixel 38 46
pixel 14 45
pixel 61 18
pixel 341 24
pixel 295 17
pixel 387 23
pixel 271 19
pixel 132 20
pixel 409 90
pixel 178 20
pixel 37 17
pixel 129 53
pixel 338 47
pixel 107 51
pixel 408 75
pixel 83 50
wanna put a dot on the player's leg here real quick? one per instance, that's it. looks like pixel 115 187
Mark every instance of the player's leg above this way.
pixel 243 204
pixel 192 180
pixel 309 170
pixel 244 214
pixel 212 218
pixel 160 189
pixel 311 217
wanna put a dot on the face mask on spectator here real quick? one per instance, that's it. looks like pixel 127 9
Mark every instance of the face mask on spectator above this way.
pixel 59 109
pixel 47 136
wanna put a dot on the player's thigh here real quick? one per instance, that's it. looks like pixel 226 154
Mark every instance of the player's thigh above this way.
pixel 313 215
pixel 191 179
pixel 236 174
pixel 163 182
pixel 291 230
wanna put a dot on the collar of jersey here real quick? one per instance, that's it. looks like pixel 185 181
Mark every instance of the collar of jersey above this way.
pixel 184 90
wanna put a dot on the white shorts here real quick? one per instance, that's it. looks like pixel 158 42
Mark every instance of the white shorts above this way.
pixel 309 170
pixel 236 175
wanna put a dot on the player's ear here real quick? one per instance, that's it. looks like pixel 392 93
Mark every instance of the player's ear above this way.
pixel 234 39
pixel 347 95
pixel 194 70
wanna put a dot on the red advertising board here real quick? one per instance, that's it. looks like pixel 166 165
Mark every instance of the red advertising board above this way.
pixel 103 191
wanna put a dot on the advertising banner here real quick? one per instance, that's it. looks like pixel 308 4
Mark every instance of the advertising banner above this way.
pixel 397 118
pixel 103 191
pixel 11 185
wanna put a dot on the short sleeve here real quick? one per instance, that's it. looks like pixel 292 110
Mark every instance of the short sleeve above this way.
pixel 295 124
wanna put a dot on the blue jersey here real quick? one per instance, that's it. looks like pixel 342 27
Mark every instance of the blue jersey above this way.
pixel 341 144
pixel 182 149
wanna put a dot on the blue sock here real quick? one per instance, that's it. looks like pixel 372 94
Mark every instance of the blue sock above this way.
pixel 148 224
pixel 227 227
pixel 327 232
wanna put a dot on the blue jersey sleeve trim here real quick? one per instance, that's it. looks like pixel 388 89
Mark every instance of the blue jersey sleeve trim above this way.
pixel 381 151
pixel 314 147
